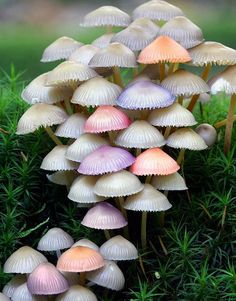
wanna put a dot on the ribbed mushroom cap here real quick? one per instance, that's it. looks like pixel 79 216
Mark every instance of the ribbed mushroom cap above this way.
pixel 106 159
pixel 69 72
pixel 55 239
pixel 104 216
pixel 106 16
pixel 157 10
pixel 146 24
pixel 118 184
pixel 103 41
pixel 3 297
pixel 22 293
pixel 105 119
pixel 83 146
pixel 140 134
pixel 170 182
pixel 37 92
pixel 56 160
pixel 154 162
pixel 164 49
pixel 47 280
pixel 114 55
pixel 12 285
pixel 185 83
pixel 60 49
pixel 143 94
pixel 23 261
pixel 80 259
pixel 183 31
pixel 212 53
pixel 148 200
pixel 187 139
pixel 174 115
pixel 207 132
pixel 84 242
pixel 73 127
pixel 77 293
pixel 96 92
pixel 38 115
pixel 109 276
pixel 83 54
pixel 81 190
pixel 65 177
pixel 118 248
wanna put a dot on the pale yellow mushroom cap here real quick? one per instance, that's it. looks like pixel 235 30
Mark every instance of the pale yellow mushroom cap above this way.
pixel 84 54
pixel 77 293
pixel 170 182
pixel 73 127
pixel 65 177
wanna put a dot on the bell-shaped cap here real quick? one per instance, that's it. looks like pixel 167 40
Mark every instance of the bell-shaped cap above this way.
pixel 140 134
pixel 170 182
pixel 143 94
pixel 163 50
pixel 60 49
pixel 77 293
pixel 110 276
pixel 106 16
pixel 105 119
pixel 212 53
pixel 175 115
pixel 118 184
pixel 23 261
pixel 83 54
pixel 207 132
pixel 114 55
pixel 47 280
pixel 106 159
pixel 103 41
pixel 12 285
pixel 118 248
pixel 81 190
pixel 22 293
pixel 64 178
pixel 68 73
pixel 186 138
pixel 154 162
pixel 38 115
pixel 96 92
pixel 104 216
pixel 84 242
pixel 80 259
pixel 4 297
pixel 55 239
pixel 56 160
pixel 184 83
pixel 157 10
pixel 73 127
pixel 183 31
pixel 147 25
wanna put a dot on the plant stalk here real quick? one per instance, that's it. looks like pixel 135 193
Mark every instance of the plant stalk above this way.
pixel 117 77
pixel 68 106
pixel 229 124
pixel 53 136
pixel 180 158
pixel 222 123
pixel 144 230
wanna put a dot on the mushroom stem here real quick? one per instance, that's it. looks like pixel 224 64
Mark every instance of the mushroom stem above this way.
pixel 135 72
pixel 181 156
pixel 82 278
pixel 107 234
pixel 180 100
pixel 222 123
pixel 58 252
pixel 193 102
pixel 138 152
pixel 143 230
pixel 229 124
pixel 162 71
pixel 52 135
pixel 167 131
pixel 68 106
pixel 109 29
pixel 206 72
pixel 117 77
pixel 172 68
pixel 122 209
pixel 162 219
pixel 148 179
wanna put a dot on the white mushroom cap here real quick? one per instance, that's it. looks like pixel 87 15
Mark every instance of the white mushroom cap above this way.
pixel 170 182
pixel 146 24
pixel 77 293
pixel 73 127
pixel 22 293
pixel 103 41
pixel 65 177
pixel 84 242
pixel 4 297
pixel 207 132
pixel 84 54
pixel 12 285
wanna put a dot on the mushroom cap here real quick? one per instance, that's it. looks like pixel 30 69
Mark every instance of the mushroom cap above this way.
pixel 207 132
pixel 143 94
pixel 38 115
pixel 12 285
pixel 212 53
pixel 148 200
pixel 81 190
pixel 114 55
pixel 146 24
pixel 118 184
pixel 109 276
pixel 118 248
pixel 77 293
pixel 80 259
pixel 69 72
pixel 106 159
pixel 140 134
pixel 73 127
pixel 154 162
pixel 56 160
pixel 175 115
pixel 60 49
pixel 65 177
pixel 84 242
pixel 22 293
pixel 187 139
pixel 55 239
pixel 105 119
pixel 184 83
pixel 164 49
pixel 4 297
pixel 83 54
pixel 23 261
pixel 183 31
pixel 37 92
pixel 47 280
pixel 103 41
pixel 96 92
pixel 106 16
pixel 204 98
pixel 104 216
pixel 170 182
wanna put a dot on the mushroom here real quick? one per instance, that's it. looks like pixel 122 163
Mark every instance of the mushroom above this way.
pixel 12 285
pixel 84 242
pixel 84 54
pixel 169 182
pixel 147 25
pixel 103 41
pixel 4 297
pixel 73 127
pixel 22 293
pixel 207 132
pixel 64 178
pixel 77 293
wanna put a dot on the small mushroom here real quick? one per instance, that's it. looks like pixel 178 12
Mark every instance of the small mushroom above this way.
pixel 77 293
pixel 22 293
pixel 103 41
pixel 208 133
pixel 73 127
pixel 4 297
pixel 169 182
pixel 12 285
pixel 84 54
pixel 84 242
pixel 64 178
